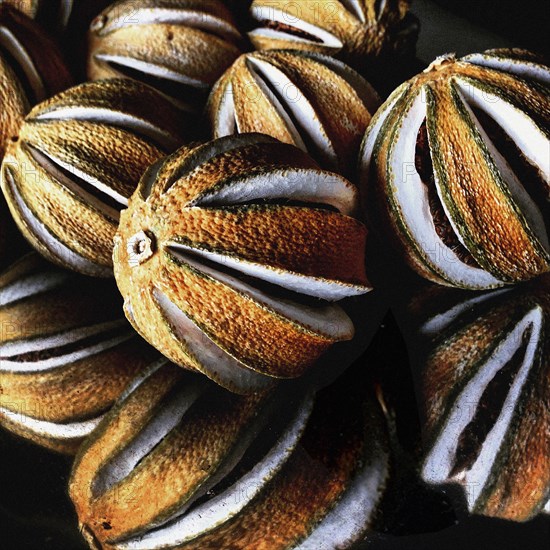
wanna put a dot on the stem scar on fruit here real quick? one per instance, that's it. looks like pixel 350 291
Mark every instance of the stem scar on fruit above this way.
pixel 140 248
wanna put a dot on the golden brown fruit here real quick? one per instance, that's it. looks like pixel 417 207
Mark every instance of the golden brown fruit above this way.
pixel 485 396
pixel 66 353
pixel 31 70
pixel 457 167
pixel 306 99
pixel 78 158
pixel 360 32
pixel 180 47
pixel 181 464
pixel 220 248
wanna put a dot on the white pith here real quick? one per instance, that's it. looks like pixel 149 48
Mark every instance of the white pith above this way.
pixel 368 95
pixel 225 123
pixel 330 321
pixel 441 458
pixel 42 428
pixel 19 347
pixel 372 133
pixel 311 286
pixel 65 10
pixel 299 107
pixel 278 106
pixel 54 246
pixel 523 69
pixel 528 207
pixel 31 286
pixel 10 42
pixel 211 359
pixel 50 164
pixel 223 507
pixel 111 117
pixel 194 19
pixel 412 197
pixel 121 465
pixel 268 13
pixel 147 68
pixel 347 521
pixel 524 132
pixel 300 184
pixel 355 8
pixel 204 153
pixel 441 321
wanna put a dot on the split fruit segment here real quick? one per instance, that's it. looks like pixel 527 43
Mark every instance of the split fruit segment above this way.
pixel 78 158
pixel 485 396
pixel 179 47
pixel 362 33
pixel 457 168
pixel 66 353
pixel 31 70
pixel 307 99
pixel 230 253
pixel 180 463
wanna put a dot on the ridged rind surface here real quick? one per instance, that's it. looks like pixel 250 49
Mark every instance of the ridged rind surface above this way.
pixel 186 258
pixel 482 221
pixel 180 47
pixel 66 353
pixel 31 70
pixel 278 493
pixel 472 339
pixel 302 98
pixel 361 32
pixel 78 158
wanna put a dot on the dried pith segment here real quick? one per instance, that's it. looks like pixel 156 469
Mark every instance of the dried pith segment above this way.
pixel 78 158
pixel 486 398
pixel 456 163
pixel 226 249
pixel 308 100
pixel 31 70
pixel 180 47
pixel 65 353
pixel 182 464
pixel 360 32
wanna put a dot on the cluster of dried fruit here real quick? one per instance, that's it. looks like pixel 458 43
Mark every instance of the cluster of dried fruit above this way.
pixel 228 191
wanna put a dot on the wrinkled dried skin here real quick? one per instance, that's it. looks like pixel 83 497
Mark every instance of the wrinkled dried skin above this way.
pixel 221 485
pixel 180 49
pixel 65 356
pixel 78 158
pixel 307 100
pixel 487 223
pixel 358 31
pixel 31 69
pixel 194 277
pixel 486 401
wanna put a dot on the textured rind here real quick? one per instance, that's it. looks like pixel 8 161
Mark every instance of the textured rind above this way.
pixel 518 485
pixel 77 389
pixel 339 438
pixel 193 54
pixel 340 110
pixel 364 36
pixel 108 132
pixel 297 241
pixel 17 96
pixel 484 214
